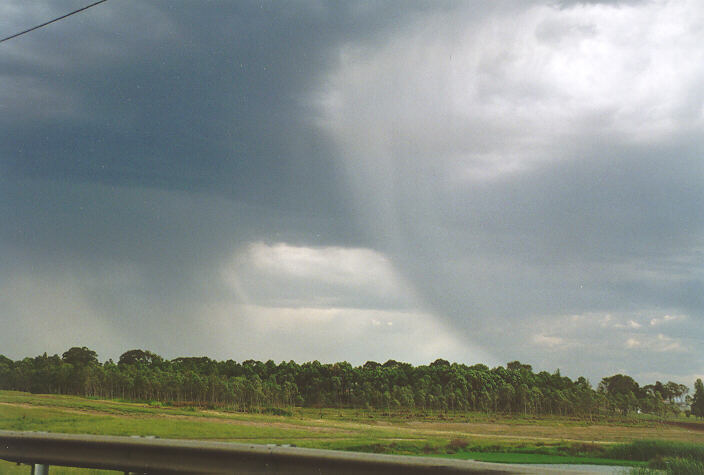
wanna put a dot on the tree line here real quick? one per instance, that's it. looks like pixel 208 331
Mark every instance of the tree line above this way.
pixel 393 386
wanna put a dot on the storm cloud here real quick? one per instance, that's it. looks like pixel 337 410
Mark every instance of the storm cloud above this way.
pixel 316 180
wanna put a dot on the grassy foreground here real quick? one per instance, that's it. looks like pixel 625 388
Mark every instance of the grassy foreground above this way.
pixel 474 436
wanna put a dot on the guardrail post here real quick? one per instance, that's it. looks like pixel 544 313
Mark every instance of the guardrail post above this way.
pixel 40 469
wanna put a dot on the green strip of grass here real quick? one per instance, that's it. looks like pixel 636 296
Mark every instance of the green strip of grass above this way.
pixel 527 458
pixel 45 419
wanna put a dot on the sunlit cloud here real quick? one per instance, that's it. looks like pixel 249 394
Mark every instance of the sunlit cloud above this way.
pixel 658 343
pixel 665 319
pixel 548 341
pixel 500 96
pixel 345 266
pixel 284 274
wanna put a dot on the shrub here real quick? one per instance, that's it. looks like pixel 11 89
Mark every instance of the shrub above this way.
pixel 584 448
pixel 677 465
pixel 276 411
pixel 647 450
pixel 457 444
pixel 681 466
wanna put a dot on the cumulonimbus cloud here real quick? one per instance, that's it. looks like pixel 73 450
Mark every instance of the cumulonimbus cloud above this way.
pixel 522 167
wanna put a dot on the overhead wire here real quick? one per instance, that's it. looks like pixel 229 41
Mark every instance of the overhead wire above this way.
pixel 52 21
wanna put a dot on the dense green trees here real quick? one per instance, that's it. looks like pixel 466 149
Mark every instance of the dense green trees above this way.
pixel 698 400
pixel 391 386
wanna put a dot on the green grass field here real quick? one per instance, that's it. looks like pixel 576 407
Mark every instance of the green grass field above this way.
pixel 474 436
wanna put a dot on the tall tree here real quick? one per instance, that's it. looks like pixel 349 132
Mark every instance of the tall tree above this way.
pixel 135 357
pixel 80 356
pixel 698 400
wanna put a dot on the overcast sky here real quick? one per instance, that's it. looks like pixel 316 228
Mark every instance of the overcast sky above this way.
pixel 475 181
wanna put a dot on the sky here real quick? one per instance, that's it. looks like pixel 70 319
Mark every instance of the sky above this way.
pixel 314 180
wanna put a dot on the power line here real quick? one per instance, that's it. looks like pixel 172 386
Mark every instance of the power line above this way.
pixel 52 21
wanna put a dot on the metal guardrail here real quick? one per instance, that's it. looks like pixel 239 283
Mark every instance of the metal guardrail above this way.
pixel 165 456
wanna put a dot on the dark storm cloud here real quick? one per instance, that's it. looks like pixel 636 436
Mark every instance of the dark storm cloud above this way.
pixel 151 140
pixel 215 175
pixel 184 95
pixel 206 102
pixel 192 97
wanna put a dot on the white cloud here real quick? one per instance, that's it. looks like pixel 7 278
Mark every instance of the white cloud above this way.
pixel 658 343
pixel 598 344
pixel 629 324
pixel 548 340
pixel 633 343
pixel 665 319
pixel 345 266
pixel 282 274
pixel 498 96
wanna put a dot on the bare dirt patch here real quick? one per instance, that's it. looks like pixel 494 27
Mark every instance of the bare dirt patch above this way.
pixel 67 410
pixel 280 425
pixel 698 426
